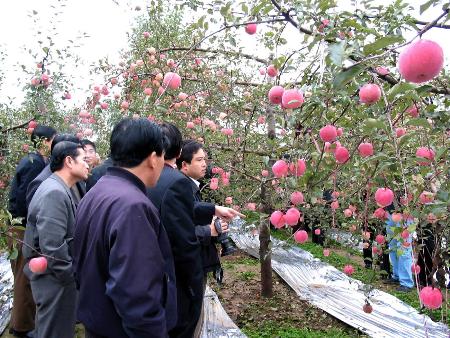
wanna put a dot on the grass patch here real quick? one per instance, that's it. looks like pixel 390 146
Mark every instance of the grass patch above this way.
pixel 270 329
pixel 247 260
pixel 247 275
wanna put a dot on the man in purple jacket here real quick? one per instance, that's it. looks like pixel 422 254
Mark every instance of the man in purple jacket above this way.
pixel 122 256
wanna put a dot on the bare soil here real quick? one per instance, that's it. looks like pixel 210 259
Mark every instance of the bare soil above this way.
pixel 240 297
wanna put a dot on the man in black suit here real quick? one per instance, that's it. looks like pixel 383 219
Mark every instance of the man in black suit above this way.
pixel 172 196
pixel 97 173
pixel 192 163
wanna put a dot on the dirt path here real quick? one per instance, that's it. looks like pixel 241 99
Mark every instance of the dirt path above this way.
pixel 240 296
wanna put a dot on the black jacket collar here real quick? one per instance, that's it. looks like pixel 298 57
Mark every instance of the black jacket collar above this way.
pixel 125 174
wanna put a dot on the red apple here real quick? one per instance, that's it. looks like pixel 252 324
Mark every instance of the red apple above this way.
pixel 277 219
pixel 369 93
pixel 292 99
pixel 421 61
pixel 172 80
pixel 342 155
pixel 301 236
pixel 272 71
pixel 367 308
pixel 38 264
pixel 297 198
pixel 250 28
pixel 280 168
pixel 276 94
pixel 292 216
pixel 328 133
pixel 365 149
pixel 384 197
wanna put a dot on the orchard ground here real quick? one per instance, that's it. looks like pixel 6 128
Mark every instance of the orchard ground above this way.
pixel 286 315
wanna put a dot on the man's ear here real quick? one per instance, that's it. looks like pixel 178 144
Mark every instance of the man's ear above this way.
pixel 184 165
pixel 68 162
pixel 152 160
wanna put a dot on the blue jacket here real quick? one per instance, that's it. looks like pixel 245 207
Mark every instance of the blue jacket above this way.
pixel 123 261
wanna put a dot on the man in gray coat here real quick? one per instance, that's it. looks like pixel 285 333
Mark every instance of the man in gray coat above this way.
pixel 49 232
pixel 78 190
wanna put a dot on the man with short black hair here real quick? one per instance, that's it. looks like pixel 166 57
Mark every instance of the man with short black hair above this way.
pixel 192 163
pixel 78 190
pixel 172 197
pixel 122 257
pixel 49 231
pixel 91 152
pixel 23 311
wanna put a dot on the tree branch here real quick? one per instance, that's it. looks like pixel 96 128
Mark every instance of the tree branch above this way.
pixel 248 151
pixel 17 127
pixel 358 60
pixel 203 50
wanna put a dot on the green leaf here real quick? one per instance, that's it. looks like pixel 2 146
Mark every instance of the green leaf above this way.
pixel 404 139
pixel 244 8
pixel 161 109
pixel 232 41
pixel 371 123
pixel 13 254
pixel 426 5
pixel 400 88
pixel 419 122
pixel 381 43
pixel 257 8
pixel 378 157
pixel 343 77
pixel 424 89
pixel 443 195
pixel 337 51
pixel 442 151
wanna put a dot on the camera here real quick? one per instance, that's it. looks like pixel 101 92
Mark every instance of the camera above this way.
pixel 228 247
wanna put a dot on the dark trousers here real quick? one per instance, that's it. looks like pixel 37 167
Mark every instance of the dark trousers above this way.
pixel 56 307
pixel 24 309
pixel 425 259
pixel 90 334
pixel 199 327
pixel 367 252
pixel 189 311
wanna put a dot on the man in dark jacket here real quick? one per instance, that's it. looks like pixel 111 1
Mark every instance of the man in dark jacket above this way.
pixel 23 311
pixel 122 257
pixel 192 163
pixel 172 196
pixel 98 172
pixel 78 190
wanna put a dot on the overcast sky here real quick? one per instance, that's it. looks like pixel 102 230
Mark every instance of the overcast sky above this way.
pixel 107 25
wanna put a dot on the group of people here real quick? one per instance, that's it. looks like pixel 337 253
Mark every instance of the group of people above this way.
pixel 127 258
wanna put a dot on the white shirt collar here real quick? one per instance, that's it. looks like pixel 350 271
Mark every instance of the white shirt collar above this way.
pixel 197 183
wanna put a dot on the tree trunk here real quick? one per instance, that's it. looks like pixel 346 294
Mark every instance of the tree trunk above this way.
pixel 265 255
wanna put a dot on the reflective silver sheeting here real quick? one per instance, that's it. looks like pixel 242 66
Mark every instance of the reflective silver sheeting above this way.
pixel 346 238
pixel 342 297
pixel 6 292
pixel 216 322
